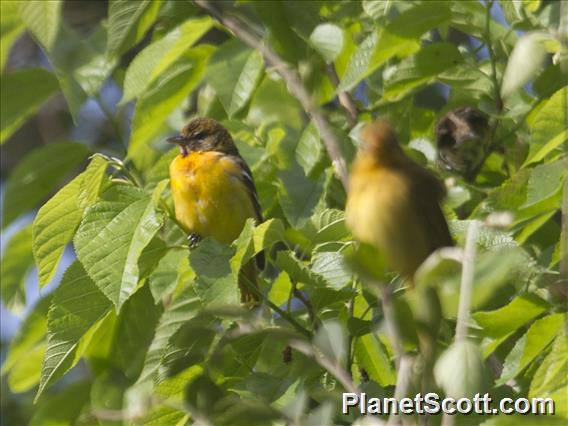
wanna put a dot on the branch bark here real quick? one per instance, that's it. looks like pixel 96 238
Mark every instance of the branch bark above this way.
pixel 243 32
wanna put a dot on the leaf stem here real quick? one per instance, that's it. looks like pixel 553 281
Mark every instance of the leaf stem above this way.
pixel 466 285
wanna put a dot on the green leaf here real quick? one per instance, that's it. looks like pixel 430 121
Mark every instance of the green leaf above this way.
pixel 128 22
pixel 372 356
pixel 111 238
pixel 135 329
pixel 493 269
pixel 17 261
pixel 77 306
pixel 331 340
pixel 530 345
pixel 551 380
pixel 58 219
pixel 162 98
pixel 545 181
pixel 165 277
pixel 299 195
pixel 42 20
pixel 332 266
pixel 330 226
pixel 548 132
pixel 81 65
pixel 281 289
pixel 460 370
pixel 471 18
pixel 26 375
pixel 309 150
pixel 264 111
pixel 31 334
pixel 63 407
pixel 267 234
pixel 499 324
pixel 152 62
pixel 38 174
pixel 11 27
pixel 178 312
pixel 216 284
pixel 234 71
pixel 21 94
pixel 399 38
pixel 327 40
pixel 421 68
pixel 297 270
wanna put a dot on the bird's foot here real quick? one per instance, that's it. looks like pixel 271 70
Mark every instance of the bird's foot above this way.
pixel 193 240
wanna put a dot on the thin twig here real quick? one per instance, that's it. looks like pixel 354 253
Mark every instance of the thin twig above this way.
pixel 242 31
pixel 391 322
pixel 326 363
pixel 344 97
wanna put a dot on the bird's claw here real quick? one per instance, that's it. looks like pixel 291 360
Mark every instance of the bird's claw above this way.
pixel 193 240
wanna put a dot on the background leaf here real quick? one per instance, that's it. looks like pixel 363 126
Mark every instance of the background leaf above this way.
pixel 17 104
pixel 38 174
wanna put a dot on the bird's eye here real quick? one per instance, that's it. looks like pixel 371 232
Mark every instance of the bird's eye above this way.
pixel 199 135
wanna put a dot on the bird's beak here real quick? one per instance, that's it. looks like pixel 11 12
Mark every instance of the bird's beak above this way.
pixel 179 139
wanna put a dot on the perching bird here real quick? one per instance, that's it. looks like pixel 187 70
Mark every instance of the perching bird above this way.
pixel 394 203
pixel 461 138
pixel 213 190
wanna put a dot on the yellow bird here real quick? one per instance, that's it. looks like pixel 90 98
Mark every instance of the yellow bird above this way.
pixel 394 203
pixel 213 190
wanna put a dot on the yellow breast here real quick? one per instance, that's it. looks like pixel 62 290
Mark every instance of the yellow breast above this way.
pixel 380 211
pixel 210 198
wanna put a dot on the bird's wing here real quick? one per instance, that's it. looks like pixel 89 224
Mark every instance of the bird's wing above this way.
pixel 245 176
pixel 428 192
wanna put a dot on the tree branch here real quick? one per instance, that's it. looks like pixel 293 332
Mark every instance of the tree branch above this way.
pixel 344 97
pixel 243 32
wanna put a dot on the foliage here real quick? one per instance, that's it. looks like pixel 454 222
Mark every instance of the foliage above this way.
pixel 141 330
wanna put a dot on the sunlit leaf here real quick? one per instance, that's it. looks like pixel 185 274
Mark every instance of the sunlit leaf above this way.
pixel 159 56
pixel 372 356
pixel 551 380
pixel 531 344
pixel 548 132
pixel 111 238
pixel 58 219
pixel 129 21
pixel 162 98
pixel 327 40
pixel 234 71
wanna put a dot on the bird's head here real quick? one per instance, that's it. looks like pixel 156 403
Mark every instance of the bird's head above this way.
pixel 204 134
pixel 461 135
pixel 379 141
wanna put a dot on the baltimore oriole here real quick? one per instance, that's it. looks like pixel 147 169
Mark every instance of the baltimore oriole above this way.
pixel 393 203
pixel 213 190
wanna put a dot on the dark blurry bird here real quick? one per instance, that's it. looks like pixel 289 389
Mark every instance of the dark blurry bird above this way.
pixel 213 190
pixel 394 203
pixel 461 138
